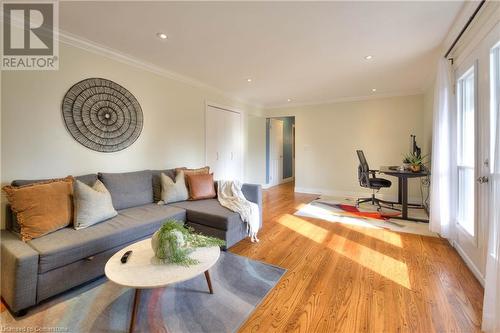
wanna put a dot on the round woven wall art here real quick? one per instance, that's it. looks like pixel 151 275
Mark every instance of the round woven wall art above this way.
pixel 102 115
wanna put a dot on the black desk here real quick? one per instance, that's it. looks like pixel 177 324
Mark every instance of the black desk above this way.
pixel 403 176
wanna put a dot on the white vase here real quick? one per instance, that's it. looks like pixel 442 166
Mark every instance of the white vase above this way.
pixel 155 243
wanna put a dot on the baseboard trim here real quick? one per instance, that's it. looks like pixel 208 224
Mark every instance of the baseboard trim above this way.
pixel 283 181
pixel 351 194
pixel 468 262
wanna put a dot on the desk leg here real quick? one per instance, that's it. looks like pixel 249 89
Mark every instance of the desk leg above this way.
pixel 400 190
pixel 137 296
pixel 404 197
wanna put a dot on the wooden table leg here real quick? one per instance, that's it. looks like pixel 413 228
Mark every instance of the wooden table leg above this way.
pixel 207 276
pixel 137 296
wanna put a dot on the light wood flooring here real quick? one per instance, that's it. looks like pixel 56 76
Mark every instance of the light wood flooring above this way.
pixel 344 278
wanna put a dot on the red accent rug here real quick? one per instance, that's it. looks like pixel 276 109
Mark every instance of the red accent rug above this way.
pixel 343 210
pixel 354 211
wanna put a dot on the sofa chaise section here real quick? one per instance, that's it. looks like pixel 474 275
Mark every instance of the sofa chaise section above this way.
pixel 210 218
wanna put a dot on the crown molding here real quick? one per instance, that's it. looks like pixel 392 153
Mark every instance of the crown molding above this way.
pixel 347 99
pixel 102 50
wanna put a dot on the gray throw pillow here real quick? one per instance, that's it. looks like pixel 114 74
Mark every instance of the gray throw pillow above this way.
pixel 173 191
pixel 92 204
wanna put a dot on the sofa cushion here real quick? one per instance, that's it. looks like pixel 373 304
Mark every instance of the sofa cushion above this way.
pixel 187 172
pixel 88 179
pixel 92 204
pixel 68 245
pixel 201 186
pixel 173 191
pixel 156 174
pixel 129 189
pixel 209 212
pixel 154 213
pixel 13 224
pixel 43 207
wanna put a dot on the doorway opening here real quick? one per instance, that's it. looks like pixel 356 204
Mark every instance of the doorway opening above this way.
pixel 280 150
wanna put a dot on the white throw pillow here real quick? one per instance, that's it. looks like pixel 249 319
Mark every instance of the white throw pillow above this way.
pixel 92 204
pixel 173 191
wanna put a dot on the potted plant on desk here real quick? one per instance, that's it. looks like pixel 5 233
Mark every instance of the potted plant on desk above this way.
pixel 406 163
pixel 415 162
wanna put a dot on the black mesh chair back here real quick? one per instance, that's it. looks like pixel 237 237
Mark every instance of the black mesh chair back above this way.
pixel 363 170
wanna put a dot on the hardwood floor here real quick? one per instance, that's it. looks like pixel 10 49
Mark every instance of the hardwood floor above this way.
pixel 351 279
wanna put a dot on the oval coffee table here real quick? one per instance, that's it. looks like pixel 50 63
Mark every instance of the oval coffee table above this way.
pixel 144 271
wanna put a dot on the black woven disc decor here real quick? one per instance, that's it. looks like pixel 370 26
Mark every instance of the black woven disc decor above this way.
pixel 102 115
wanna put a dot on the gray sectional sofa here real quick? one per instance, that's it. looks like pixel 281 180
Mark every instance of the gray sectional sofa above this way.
pixel 38 269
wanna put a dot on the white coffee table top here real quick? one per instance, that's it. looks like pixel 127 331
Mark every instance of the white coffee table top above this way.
pixel 143 270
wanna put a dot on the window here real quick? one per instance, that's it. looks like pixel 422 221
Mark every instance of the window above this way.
pixel 466 152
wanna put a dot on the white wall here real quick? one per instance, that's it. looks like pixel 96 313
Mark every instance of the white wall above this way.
pixel 428 115
pixel 256 151
pixel 36 144
pixel 327 137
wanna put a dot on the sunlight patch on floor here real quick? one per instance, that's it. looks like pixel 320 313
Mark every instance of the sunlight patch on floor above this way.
pixel 304 228
pixel 325 214
pixel 386 266
pixel 383 235
pixel 300 206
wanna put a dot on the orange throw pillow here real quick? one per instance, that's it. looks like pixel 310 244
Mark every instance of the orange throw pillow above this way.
pixel 201 186
pixel 187 172
pixel 199 171
pixel 43 207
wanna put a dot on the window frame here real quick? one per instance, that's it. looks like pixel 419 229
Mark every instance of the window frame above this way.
pixel 460 90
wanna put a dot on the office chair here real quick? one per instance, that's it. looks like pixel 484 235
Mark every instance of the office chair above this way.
pixel 372 182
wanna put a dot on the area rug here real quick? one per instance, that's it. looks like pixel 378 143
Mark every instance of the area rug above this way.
pixel 343 210
pixel 239 284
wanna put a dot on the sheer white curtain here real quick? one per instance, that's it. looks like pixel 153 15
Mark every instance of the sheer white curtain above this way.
pixel 442 170
pixel 491 307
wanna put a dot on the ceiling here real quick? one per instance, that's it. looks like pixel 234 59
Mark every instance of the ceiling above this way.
pixel 309 52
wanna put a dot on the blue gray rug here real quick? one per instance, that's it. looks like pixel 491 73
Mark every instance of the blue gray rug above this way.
pixel 239 283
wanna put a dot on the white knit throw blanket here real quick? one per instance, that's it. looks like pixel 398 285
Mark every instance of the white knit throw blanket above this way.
pixel 230 196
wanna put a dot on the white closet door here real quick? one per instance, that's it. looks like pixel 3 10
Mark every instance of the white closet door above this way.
pixel 215 142
pixel 223 143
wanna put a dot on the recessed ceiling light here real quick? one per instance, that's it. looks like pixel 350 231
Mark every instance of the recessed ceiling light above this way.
pixel 368 57
pixel 249 80
pixel 374 89
pixel 161 35
pixel 289 100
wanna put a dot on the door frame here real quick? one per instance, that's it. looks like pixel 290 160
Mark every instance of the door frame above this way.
pixel 478 54
pixel 271 141
pixel 232 109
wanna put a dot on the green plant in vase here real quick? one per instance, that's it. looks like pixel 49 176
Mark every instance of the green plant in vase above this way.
pixel 173 243
pixel 415 161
